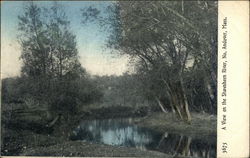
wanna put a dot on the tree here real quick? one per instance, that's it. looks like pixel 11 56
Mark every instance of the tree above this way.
pixel 162 54
pixel 167 40
pixel 49 54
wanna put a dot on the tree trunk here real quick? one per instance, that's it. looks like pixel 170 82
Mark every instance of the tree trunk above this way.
pixel 180 101
pixel 183 102
pixel 176 105
pixel 169 94
pixel 161 105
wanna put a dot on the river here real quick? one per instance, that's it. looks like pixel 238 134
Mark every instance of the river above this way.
pixel 122 132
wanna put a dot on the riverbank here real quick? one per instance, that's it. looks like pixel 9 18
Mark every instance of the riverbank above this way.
pixel 202 125
pixel 23 137
pixel 27 143
pixel 86 149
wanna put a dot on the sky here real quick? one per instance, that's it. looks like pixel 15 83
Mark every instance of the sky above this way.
pixel 90 39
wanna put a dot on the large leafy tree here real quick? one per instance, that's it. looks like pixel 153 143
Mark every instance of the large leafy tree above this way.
pixel 48 46
pixel 49 54
pixel 170 42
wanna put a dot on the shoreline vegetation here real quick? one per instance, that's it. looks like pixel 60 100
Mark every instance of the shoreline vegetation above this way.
pixel 30 141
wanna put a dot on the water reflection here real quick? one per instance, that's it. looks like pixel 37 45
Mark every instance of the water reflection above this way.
pixel 120 132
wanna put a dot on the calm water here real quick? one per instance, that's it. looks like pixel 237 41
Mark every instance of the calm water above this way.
pixel 120 132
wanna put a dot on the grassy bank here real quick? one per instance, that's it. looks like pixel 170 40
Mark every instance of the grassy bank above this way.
pixel 201 125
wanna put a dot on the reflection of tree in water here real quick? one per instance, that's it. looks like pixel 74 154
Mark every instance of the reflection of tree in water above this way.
pixel 85 134
pixel 186 146
pixel 120 133
pixel 208 153
pixel 114 132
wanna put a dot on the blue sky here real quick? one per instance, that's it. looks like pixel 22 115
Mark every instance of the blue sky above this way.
pixel 90 39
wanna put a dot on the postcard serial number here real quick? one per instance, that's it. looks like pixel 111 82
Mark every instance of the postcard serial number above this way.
pixel 224 147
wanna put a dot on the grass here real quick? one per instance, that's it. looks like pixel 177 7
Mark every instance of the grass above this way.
pixel 201 125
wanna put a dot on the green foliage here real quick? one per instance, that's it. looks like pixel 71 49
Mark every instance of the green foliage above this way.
pixel 169 42
pixel 121 91
pixel 51 70
pixel 48 46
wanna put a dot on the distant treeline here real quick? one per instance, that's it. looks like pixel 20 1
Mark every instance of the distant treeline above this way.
pixel 100 91
pixel 129 90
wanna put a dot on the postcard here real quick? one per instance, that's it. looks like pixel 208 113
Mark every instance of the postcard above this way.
pixel 163 79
